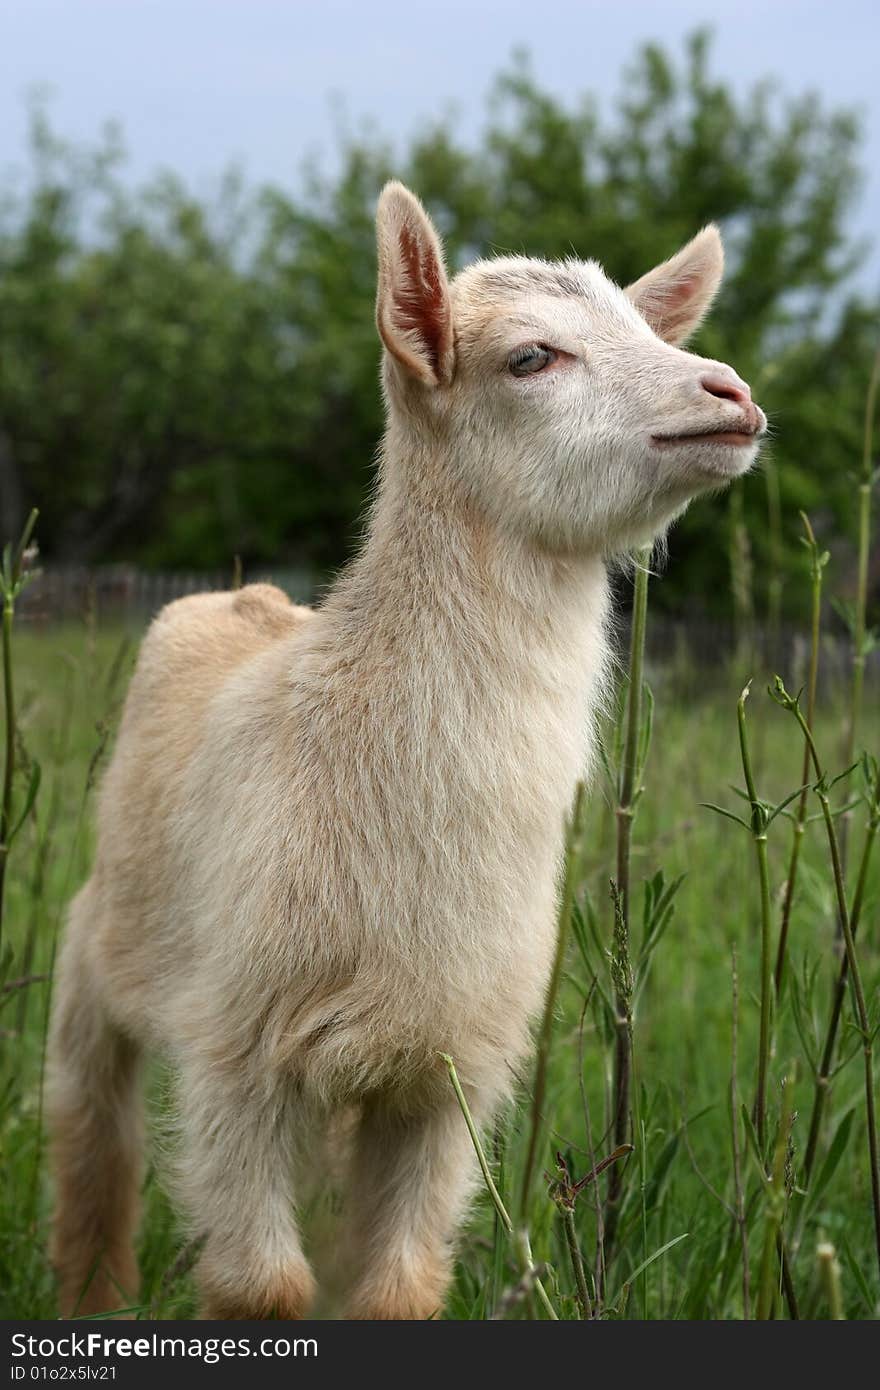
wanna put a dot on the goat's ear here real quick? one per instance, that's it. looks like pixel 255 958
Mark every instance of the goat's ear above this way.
pixel 674 296
pixel 413 310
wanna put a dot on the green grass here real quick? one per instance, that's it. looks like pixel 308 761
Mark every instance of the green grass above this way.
pixel 677 1184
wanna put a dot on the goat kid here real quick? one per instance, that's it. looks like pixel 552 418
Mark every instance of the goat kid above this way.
pixel 328 840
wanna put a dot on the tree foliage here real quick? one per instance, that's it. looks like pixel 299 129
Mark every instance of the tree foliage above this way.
pixel 183 380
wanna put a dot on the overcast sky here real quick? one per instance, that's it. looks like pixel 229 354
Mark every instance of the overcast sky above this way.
pixel 196 84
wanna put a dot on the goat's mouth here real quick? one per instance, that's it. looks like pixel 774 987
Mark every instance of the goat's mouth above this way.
pixel 734 438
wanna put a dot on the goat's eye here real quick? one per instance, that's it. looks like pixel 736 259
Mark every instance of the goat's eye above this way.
pixel 524 361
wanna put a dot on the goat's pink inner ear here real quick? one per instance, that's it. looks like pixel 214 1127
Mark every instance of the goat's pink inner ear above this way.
pixel 413 308
pixel 421 301
pixel 675 295
pixel 669 310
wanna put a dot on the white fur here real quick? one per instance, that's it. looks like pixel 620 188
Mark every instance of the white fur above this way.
pixel 328 840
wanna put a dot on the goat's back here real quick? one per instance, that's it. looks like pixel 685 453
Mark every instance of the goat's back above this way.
pixel 189 652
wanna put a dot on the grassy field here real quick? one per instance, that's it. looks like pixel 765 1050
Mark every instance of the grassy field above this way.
pixel 701 1200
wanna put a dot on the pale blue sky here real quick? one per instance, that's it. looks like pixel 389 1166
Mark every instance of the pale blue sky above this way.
pixel 198 83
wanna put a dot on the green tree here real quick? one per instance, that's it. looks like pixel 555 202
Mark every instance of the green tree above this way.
pixel 182 381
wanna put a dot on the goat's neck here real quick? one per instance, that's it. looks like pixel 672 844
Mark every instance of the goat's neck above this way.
pixel 442 604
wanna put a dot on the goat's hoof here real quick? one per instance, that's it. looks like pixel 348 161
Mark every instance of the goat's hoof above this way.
pixel 398 1308
pixel 286 1297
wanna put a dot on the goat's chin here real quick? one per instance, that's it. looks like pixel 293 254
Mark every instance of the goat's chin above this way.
pixel 652 530
pixel 708 465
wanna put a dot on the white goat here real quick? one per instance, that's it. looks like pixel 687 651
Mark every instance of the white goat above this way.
pixel 329 840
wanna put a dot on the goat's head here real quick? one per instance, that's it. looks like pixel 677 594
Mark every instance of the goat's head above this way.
pixel 565 404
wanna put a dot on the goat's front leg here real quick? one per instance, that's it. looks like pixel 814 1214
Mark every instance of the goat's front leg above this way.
pixel 234 1177
pixel 412 1177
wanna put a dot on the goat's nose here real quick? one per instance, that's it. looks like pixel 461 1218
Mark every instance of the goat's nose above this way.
pixel 725 389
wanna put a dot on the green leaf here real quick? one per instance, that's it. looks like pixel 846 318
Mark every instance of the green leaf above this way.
pixel 30 798
pixel 583 935
pixel 843 1061
pixel 782 805
pixel 840 776
pixel 646 730
pixel 592 922
pixel 710 806
pixel 606 765
pixel 855 1269
pixel 835 1153
pixel 753 1146
pixel 676 1240
pixel 579 932
pixel 659 1170
pixel 660 902
pixel 808 1041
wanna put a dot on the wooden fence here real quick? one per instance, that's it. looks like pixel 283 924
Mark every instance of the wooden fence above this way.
pixel 123 593
pixel 690 651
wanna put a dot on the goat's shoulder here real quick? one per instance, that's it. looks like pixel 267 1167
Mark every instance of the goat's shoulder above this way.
pixel 191 651
pixel 195 643
pixel 229 626
pixel 267 610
